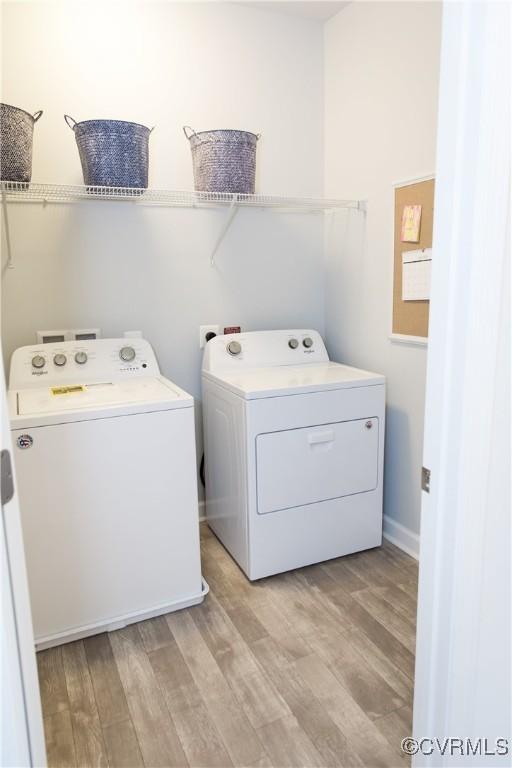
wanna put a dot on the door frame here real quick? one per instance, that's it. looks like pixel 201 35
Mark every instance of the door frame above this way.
pixel 467 417
pixel 21 722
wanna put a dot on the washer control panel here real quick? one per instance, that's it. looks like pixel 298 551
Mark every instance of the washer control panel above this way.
pixel 264 348
pixel 82 362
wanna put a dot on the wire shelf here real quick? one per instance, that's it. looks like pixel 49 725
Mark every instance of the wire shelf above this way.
pixel 13 191
pixel 24 192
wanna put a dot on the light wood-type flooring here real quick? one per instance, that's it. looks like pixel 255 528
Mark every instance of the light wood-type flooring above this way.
pixel 309 668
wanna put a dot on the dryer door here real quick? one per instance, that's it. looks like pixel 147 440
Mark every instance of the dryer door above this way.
pixel 303 466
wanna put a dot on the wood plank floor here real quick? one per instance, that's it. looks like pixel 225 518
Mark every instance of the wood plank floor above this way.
pixel 309 668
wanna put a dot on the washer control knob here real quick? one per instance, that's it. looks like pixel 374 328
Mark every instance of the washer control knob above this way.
pixel 127 354
pixel 38 361
pixel 293 343
pixel 60 359
pixel 81 358
pixel 308 342
pixel 234 347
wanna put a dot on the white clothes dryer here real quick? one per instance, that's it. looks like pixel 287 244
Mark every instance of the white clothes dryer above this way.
pixel 294 449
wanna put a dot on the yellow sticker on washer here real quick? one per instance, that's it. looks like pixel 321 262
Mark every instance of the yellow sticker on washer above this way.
pixel 67 390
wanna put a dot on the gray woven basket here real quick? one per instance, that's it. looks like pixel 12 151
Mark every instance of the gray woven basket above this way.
pixel 16 134
pixel 223 161
pixel 113 153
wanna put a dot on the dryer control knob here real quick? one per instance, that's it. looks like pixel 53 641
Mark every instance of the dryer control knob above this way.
pixel 293 343
pixel 60 360
pixel 81 358
pixel 234 348
pixel 308 342
pixel 38 361
pixel 127 354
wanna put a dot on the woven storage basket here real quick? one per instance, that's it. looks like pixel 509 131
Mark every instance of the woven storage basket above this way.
pixel 16 134
pixel 223 161
pixel 113 153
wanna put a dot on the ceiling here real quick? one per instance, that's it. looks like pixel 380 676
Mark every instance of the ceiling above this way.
pixel 320 10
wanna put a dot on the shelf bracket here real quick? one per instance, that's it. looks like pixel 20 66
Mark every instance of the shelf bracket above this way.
pixel 10 262
pixel 233 210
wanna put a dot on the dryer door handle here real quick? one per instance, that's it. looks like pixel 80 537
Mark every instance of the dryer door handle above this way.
pixel 327 436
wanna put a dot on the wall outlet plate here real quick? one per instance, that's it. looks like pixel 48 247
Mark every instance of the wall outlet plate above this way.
pixel 84 334
pixel 204 329
pixel 48 337
pixel 75 334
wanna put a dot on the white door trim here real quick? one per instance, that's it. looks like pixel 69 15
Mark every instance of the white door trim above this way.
pixel 465 434
pixel 21 722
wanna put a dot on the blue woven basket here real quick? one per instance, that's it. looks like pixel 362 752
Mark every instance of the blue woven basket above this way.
pixel 113 153
pixel 16 134
pixel 224 160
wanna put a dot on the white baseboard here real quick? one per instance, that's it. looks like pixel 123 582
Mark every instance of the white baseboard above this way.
pixel 402 537
pixel 202 511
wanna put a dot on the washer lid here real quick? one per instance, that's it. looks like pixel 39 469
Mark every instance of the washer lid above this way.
pixel 279 381
pixel 157 393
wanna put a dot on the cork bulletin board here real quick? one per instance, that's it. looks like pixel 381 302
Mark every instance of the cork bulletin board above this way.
pixel 410 318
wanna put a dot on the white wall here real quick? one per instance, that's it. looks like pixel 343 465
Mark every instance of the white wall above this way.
pixel 216 65
pixel 120 266
pixel 381 87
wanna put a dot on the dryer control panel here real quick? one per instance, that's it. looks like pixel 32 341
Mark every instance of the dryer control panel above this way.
pixel 82 362
pixel 263 349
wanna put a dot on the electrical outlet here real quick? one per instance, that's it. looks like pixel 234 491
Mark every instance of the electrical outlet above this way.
pixel 204 329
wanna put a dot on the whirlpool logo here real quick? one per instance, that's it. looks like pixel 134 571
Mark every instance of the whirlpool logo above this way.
pixel 25 441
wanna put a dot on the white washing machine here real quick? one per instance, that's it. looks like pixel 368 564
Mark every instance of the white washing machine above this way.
pixel 106 466
pixel 294 448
